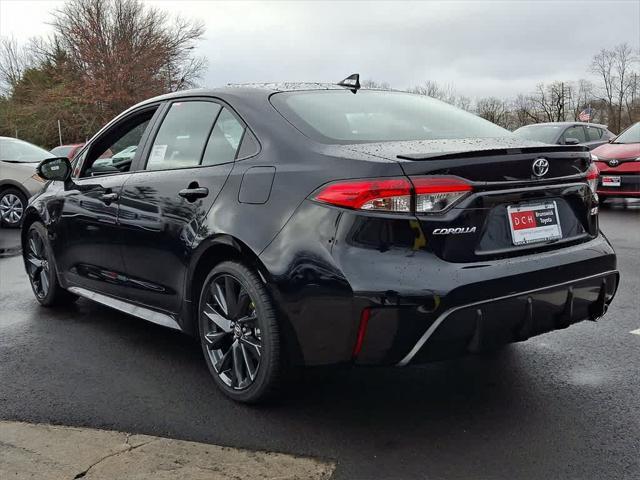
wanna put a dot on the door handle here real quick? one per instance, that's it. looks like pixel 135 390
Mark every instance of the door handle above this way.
pixel 109 197
pixel 192 194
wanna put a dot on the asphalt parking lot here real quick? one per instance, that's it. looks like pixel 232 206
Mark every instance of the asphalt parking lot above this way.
pixel 562 405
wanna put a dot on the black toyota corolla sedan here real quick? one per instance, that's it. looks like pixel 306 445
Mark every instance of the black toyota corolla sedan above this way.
pixel 309 224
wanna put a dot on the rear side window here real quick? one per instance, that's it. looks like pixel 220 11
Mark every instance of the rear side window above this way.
pixel 339 116
pixel 574 132
pixel 224 141
pixel 594 133
pixel 183 135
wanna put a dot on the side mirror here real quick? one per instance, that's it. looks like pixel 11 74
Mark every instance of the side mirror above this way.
pixel 571 141
pixel 57 168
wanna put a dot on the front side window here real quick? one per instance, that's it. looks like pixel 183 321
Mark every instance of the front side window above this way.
pixel 338 116
pixel 574 132
pixel 183 135
pixel 114 151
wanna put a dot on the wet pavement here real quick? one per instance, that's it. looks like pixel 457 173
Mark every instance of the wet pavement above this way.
pixel 562 405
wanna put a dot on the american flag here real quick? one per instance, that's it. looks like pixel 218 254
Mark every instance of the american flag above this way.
pixel 586 114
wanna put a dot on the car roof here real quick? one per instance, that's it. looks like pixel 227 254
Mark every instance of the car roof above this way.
pixel 250 89
pixel 567 124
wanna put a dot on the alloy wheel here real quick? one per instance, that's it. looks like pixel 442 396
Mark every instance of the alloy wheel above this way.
pixel 38 264
pixel 231 332
pixel 11 209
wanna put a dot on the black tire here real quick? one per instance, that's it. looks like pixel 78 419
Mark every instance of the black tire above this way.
pixel 40 265
pixel 13 203
pixel 231 330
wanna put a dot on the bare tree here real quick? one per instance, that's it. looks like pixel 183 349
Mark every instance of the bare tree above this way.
pixel 622 62
pixel 375 85
pixel 431 88
pixel 603 66
pixel 123 51
pixel 493 109
pixel 14 60
pixel 524 111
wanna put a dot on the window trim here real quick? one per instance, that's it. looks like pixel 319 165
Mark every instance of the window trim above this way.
pixel 141 166
pixel 108 128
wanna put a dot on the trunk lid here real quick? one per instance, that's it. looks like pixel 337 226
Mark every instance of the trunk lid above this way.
pixel 501 171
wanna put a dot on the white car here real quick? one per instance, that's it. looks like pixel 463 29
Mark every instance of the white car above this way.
pixel 18 178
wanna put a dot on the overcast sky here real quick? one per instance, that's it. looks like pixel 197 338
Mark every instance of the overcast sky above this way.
pixel 496 48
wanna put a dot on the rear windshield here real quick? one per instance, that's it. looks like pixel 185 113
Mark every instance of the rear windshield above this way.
pixel 16 150
pixel 339 116
pixel 630 135
pixel 61 151
pixel 540 133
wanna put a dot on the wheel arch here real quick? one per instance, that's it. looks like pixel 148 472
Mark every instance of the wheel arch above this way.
pixel 209 253
pixel 30 216
pixel 213 251
pixel 8 183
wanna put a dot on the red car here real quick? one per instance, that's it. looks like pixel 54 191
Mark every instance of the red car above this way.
pixel 68 151
pixel 619 165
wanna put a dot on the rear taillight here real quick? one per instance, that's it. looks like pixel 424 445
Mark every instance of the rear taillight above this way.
pixel 428 194
pixel 438 193
pixel 592 177
pixel 384 194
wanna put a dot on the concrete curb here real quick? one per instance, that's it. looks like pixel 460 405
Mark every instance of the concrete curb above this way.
pixel 30 451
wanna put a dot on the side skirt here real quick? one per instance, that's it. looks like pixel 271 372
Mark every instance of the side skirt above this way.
pixel 126 307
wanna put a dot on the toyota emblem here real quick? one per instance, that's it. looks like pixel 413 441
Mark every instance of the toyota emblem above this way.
pixel 540 167
pixel 613 163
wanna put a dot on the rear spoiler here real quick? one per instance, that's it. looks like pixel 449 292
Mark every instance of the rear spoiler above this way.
pixel 497 151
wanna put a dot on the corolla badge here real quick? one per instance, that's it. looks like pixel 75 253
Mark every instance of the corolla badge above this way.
pixel 453 231
pixel 613 163
pixel 540 167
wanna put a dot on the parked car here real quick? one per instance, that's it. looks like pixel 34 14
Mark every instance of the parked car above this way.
pixel 619 165
pixel 68 151
pixel 313 224
pixel 591 135
pixel 120 160
pixel 18 178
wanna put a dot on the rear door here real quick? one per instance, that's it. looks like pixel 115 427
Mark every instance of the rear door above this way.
pixel 163 204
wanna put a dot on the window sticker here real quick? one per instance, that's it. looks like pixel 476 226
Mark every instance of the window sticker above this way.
pixel 157 154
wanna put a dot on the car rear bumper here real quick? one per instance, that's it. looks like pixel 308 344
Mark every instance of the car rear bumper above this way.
pixel 327 267
pixel 485 324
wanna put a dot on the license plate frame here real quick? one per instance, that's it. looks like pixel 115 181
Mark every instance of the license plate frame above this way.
pixel 534 223
pixel 611 181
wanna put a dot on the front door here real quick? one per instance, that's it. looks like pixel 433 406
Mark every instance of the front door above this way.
pixel 163 204
pixel 89 252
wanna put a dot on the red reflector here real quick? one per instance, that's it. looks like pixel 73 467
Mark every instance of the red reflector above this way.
pixel 362 330
pixel 425 185
pixel 357 193
pixel 593 172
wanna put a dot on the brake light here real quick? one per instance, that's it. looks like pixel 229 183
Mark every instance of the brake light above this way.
pixel 431 194
pixel 384 194
pixel 438 193
pixel 592 177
